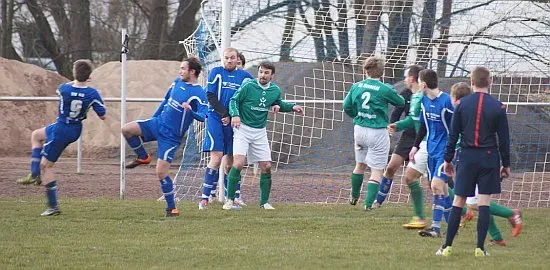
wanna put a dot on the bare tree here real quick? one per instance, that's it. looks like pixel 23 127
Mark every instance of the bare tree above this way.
pixel 444 26
pixel 81 34
pixel 398 37
pixel 6 44
pixel 342 26
pixel 47 38
pixel 288 31
pixel 426 31
pixel 372 10
pixel 156 32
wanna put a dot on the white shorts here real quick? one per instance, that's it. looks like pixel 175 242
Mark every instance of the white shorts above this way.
pixel 472 200
pixel 252 143
pixel 372 146
pixel 420 159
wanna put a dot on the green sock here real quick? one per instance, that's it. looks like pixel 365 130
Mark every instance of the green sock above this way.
pixel 232 180
pixel 372 190
pixel 500 210
pixel 464 210
pixel 265 187
pixel 451 194
pixel 416 196
pixel 356 183
pixel 494 232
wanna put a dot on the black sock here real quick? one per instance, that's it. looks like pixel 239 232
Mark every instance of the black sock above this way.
pixel 482 225
pixel 452 227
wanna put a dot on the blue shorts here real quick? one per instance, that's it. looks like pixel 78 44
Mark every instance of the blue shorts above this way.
pixel 218 138
pixel 479 167
pixel 152 130
pixel 58 137
pixel 435 168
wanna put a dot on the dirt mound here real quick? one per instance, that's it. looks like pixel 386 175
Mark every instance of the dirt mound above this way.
pixel 146 78
pixel 21 117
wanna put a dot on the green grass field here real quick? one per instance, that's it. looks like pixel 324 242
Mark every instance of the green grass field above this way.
pixel 132 234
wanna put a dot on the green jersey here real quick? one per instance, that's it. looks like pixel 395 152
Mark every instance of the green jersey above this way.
pixel 367 103
pixel 253 101
pixel 413 118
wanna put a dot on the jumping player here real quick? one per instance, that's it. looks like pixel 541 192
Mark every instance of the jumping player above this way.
pixel 75 99
pixel 184 101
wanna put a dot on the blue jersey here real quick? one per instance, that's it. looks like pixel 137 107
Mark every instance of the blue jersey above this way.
pixel 74 103
pixel 224 83
pixel 436 114
pixel 173 116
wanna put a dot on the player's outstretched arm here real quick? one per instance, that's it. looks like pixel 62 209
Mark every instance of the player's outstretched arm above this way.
pixel 395 99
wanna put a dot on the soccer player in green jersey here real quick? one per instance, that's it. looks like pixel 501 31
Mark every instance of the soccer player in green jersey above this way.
pixel 367 103
pixel 248 109
pixel 418 165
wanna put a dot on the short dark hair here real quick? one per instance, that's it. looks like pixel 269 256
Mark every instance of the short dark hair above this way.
pixel 374 66
pixel 267 65
pixel 82 69
pixel 481 77
pixel 460 90
pixel 414 70
pixel 242 58
pixel 429 77
pixel 194 64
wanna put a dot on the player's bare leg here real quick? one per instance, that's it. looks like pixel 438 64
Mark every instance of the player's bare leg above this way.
pixel 132 132
pixel 411 180
pixel 357 182
pixel 46 167
pixel 395 163
pixel 167 186
pixel 38 137
pixel 233 178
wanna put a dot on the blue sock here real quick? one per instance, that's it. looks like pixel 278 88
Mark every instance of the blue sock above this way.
pixel 225 183
pixel 454 222
pixel 214 189
pixel 35 161
pixel 448 207
pixel 167 187
pixel 51 194
pixel 438 208
pixel 482 225
pixel 210 177
pixel 238 191
pixel 137 145
pixel 383 190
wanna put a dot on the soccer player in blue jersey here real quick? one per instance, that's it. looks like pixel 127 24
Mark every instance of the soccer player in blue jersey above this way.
pixel 223 82
pixel 484 158
pixel 436 114
pixel 75 99
pixel 184 102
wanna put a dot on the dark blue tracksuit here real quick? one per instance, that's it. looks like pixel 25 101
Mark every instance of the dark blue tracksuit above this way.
pixel 478 119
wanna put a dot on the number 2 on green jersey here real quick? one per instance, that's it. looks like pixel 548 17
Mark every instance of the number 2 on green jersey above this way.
pixel 366 97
